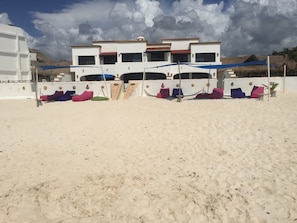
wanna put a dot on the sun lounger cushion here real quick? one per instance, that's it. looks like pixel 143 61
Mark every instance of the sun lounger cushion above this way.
pixel 86 95
pixel 202 96
pixel 237 93
pixel 164 93
pixel 66 97
pixel 51 97
pixel 217 93
pixel 257 91
pixel 177 91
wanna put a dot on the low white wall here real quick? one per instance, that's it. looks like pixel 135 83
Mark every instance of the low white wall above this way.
pixel 17 90
pixel 145 88
pixel 188 86
pixel 288 84
pixel 98 87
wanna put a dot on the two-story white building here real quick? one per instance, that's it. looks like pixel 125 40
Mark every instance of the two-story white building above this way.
pixel 15 62
pixel 130 59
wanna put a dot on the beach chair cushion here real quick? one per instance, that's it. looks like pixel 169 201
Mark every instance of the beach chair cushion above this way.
pixel 202 96
pixel 257 91
pixel 86 95
pixel 237 93
pixel 51 97
pixel 66 97
pixel 177 91
pixel 217 93
pixel 164 93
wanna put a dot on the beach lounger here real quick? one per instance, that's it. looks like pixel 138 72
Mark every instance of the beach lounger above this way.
pixel 164 93
pixel 86 95
pixel 217 93
pixel 177 91
pixel 237 93
pixel 202 96
pixel 51 97
pixel 257 92
pixel 66 97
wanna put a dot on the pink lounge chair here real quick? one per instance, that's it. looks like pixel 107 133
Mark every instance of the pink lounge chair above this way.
pixel 164 93
pixel 51 97
pixel 257 91
pixel 86 95
pixel 217 93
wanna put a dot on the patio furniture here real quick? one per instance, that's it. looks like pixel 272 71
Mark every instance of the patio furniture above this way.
pixel 66 97
pixel 164 93
pixel 86 95
pixel 177 91
pixel 257 92
pixel 51 97
pixel 237 93
pixel 217 93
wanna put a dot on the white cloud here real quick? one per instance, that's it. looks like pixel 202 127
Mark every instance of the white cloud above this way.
pixel 243 26
pixel 259 27
pixel 4 19
pixel 276 7
pixel 149 10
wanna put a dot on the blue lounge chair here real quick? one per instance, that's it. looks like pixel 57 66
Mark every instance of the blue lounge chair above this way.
pixel 66 97
pixel 177 91
pixel 237 93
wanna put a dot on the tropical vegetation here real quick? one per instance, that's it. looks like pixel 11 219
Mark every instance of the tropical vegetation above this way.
pixel 290 53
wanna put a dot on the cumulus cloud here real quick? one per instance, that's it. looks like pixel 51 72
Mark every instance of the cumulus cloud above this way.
pixel 4 19
pixel 243 26
pixel 260 27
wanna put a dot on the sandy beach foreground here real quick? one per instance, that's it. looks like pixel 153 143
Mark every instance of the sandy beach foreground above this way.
pixel 149 160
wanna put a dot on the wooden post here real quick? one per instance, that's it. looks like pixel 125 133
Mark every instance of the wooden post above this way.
pixel 284 80
pixel 38 101
pixel 268 75
pixel 179 97
pixel 142 84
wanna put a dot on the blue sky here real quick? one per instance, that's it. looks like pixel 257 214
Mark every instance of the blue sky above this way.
pixel 21 15
pixel 243 26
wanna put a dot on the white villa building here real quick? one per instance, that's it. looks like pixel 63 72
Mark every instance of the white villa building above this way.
pixel 15 62
pixel 133 68
pixel 127 60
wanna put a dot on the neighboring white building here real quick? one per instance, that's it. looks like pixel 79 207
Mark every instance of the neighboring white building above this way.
pixel 15 62
pixel 129 59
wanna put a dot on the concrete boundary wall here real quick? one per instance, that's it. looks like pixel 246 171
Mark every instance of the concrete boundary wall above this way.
pixel 189 87
pixel 100 88
pixel 17 90
pixel 145 88
pixel 287 84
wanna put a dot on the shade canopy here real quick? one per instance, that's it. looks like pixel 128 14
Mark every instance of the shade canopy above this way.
pixel 224 66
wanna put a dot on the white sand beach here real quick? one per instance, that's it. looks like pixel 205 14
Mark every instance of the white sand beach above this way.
pixel 149 160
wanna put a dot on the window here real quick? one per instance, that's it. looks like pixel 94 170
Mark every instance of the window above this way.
pixel 132 57
pixel 86 60
pixel 156 56
pixel 180 58
pixel 205 57
pixel 109 59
